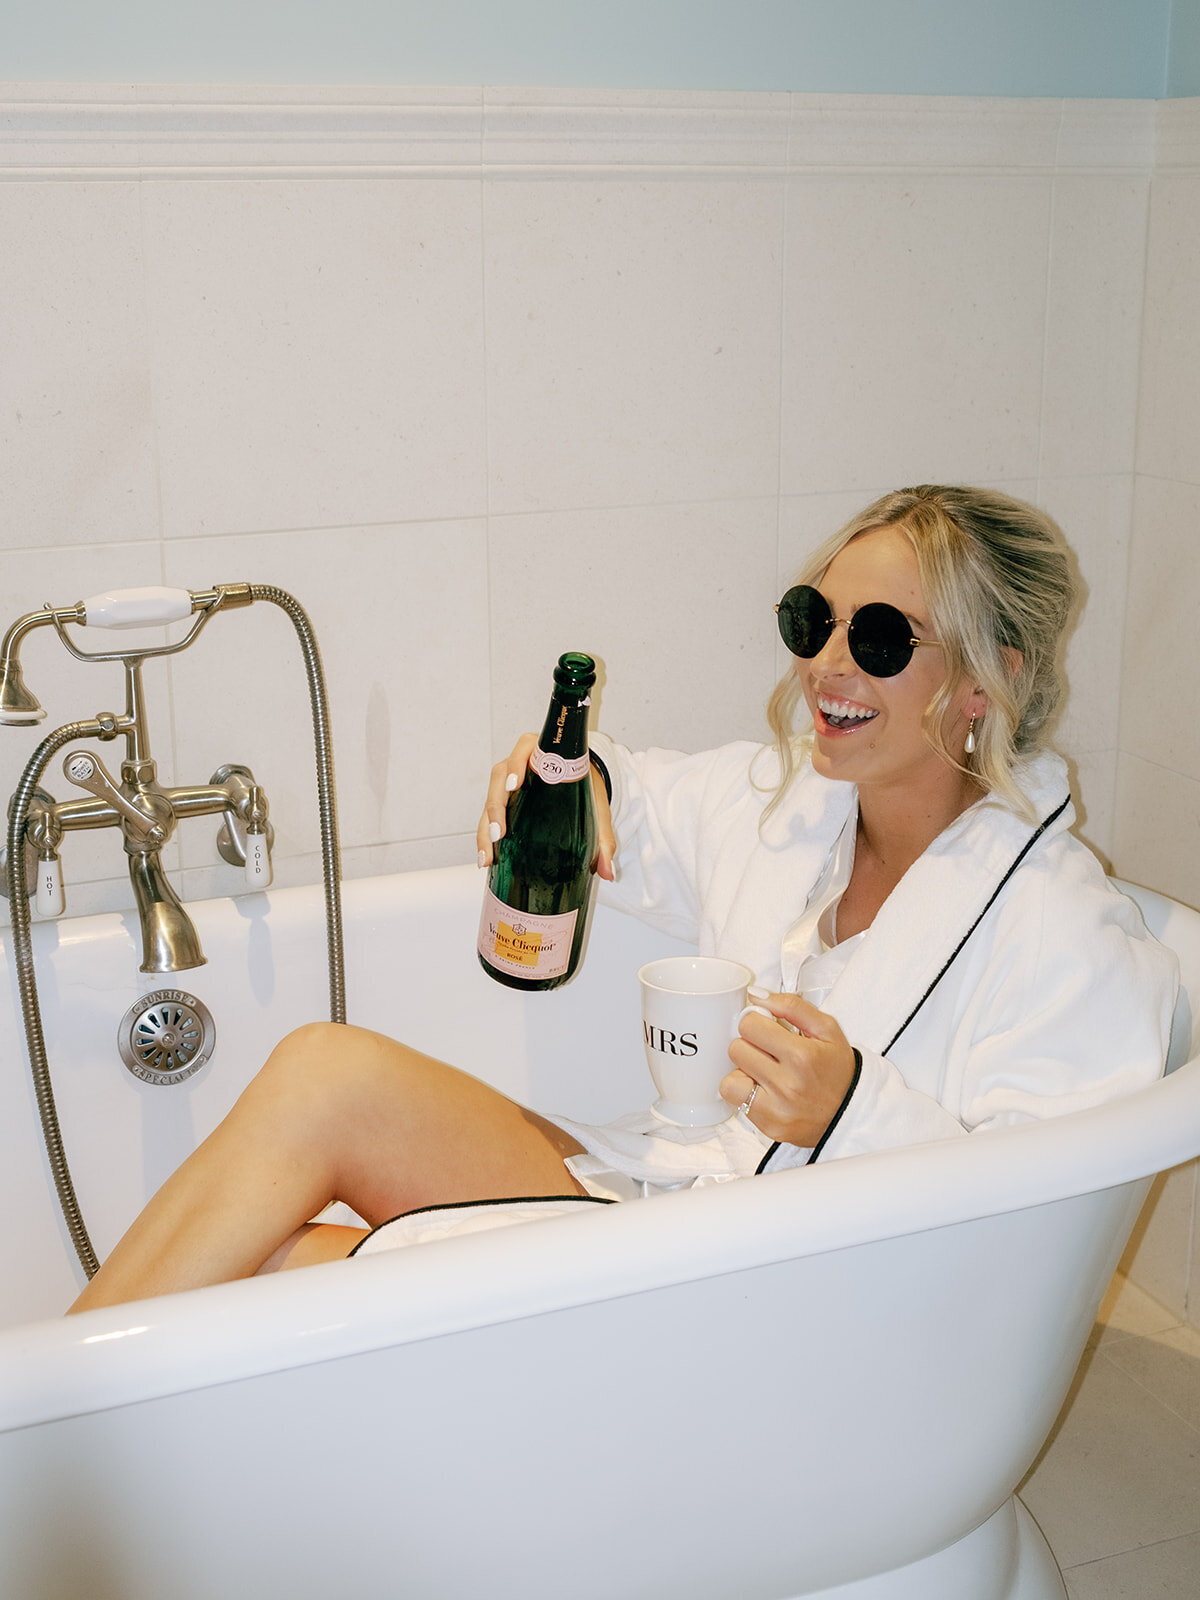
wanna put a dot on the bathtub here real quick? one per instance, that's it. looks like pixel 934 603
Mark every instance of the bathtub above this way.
pixel 823 1383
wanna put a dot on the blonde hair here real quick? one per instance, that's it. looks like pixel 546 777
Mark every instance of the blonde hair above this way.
pixel 998 579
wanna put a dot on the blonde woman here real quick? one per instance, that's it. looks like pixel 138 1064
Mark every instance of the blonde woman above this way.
pixel 937 953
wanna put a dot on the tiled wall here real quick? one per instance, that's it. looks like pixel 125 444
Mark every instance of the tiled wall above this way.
pixel 1156 835
pixel 485 375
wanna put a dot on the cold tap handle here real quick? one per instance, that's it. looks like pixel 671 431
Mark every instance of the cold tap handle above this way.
pixel 49 897
pixel 136 608
pixel 89 773
pixel 257 841
pixel 258 862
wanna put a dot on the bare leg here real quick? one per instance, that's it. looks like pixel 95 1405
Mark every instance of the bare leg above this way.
pixel 337 1113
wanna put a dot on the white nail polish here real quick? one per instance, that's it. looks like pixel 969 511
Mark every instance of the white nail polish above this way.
pixel 754 993
pixel 494 832
pixel 511 782
pixel 483 860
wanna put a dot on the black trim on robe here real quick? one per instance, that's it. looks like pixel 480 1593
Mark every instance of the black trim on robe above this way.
pixel 499 1200
pixel 1021 854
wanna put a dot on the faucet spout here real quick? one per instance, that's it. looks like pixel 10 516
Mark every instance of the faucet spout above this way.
pixel 169 939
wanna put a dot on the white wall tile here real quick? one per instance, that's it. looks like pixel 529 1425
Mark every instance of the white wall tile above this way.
pixel 1093 324
pixel 1156 834
pixel 317 352
pixel 674 602
pixel 400 616
pixel 75 404
pixel 1094 515
pixel 1160 701
pixel 633 341
pixel 913 333
pixel 1169 406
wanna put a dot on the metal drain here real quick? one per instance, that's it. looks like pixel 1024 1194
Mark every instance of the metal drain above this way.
pixel 166 1036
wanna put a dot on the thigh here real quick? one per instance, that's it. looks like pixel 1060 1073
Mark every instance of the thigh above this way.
pixel 408 1130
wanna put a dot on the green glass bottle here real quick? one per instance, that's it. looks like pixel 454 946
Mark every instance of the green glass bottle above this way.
pixel 536 902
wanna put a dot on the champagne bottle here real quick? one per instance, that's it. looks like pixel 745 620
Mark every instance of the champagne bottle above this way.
pixel 536 902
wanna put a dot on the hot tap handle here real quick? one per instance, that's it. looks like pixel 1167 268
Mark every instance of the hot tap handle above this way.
pixel 49 897
pixel 89 773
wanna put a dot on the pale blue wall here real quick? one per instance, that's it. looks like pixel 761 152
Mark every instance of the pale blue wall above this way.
pixel 1005 47
pixel 1183 66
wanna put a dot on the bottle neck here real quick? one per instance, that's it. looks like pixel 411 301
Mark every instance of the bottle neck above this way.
pixel 565 731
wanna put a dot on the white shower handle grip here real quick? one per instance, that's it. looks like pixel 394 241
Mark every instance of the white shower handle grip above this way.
pixel 136 608
pixel 49 897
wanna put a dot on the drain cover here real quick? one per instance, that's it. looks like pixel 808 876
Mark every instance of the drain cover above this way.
pixel 166 1036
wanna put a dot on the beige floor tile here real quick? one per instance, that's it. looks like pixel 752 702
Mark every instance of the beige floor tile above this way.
pixel 1121 1470
pixel 1168 1365
pixel 1126 1309
pixel 1167 1571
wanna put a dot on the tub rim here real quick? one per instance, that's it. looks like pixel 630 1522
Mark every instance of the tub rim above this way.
pixel 149 1349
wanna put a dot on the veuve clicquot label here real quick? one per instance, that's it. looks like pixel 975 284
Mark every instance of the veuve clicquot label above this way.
pixel 523 944
pixel 534 917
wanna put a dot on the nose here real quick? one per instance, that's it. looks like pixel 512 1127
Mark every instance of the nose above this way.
pixel 834 655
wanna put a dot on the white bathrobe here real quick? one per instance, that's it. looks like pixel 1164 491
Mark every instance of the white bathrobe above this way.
pixel 1058 998
pixel 1003 978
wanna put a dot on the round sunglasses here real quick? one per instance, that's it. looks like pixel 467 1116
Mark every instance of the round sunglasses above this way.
pixel 879 636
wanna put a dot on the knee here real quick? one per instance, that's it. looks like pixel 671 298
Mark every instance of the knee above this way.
pixel 306 1059
pixel 323 1058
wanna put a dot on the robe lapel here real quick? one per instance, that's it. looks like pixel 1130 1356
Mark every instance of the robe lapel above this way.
pixel 934 906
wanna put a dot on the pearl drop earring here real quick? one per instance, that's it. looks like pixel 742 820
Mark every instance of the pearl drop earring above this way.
pixel 969 746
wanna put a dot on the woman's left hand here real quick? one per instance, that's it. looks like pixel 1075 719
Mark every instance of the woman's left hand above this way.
pixel 802 1071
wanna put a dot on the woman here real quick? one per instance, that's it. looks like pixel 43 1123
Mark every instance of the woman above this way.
pixel 939 954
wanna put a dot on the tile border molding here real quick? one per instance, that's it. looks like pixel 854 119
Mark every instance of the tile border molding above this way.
pixel 97 131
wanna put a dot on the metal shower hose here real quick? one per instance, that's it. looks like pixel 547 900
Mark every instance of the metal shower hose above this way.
pixel 19 902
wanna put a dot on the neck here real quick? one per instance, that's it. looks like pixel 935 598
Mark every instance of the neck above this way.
pixel 897 827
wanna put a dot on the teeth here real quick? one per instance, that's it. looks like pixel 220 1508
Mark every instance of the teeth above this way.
pixel 844 710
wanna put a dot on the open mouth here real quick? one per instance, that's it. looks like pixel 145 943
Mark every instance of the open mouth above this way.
pixel 840 716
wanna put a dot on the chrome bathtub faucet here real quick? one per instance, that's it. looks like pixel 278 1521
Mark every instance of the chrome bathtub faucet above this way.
pixel 144 811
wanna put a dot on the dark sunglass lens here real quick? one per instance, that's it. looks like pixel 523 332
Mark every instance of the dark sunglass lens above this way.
pixel 880 640
pixel 805 621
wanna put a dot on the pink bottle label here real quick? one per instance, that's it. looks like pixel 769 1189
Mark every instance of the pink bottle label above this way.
pixel 524 945
pixel 558 769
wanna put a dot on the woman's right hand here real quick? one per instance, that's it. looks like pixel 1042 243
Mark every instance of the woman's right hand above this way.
pixel 507 776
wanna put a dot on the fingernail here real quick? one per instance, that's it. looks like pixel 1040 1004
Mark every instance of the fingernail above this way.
pixel 755 993
pixel 483 858
pixel 494 832
pixel 511 782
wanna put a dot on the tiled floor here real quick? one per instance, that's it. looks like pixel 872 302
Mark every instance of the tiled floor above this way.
pixel 1116 1491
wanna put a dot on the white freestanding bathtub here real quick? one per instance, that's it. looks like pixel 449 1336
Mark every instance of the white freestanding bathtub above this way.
pixel 826 1382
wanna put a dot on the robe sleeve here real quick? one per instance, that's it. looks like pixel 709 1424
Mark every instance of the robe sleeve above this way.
pixel 669 810
pixel 1073 1008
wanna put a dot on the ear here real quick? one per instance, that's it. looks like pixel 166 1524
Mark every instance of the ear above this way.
pixel 1014 659
pixel 974 703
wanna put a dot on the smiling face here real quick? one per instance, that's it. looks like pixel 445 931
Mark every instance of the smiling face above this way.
pixel 870 731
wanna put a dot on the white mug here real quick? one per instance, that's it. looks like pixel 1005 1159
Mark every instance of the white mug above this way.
pixel 691 1007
